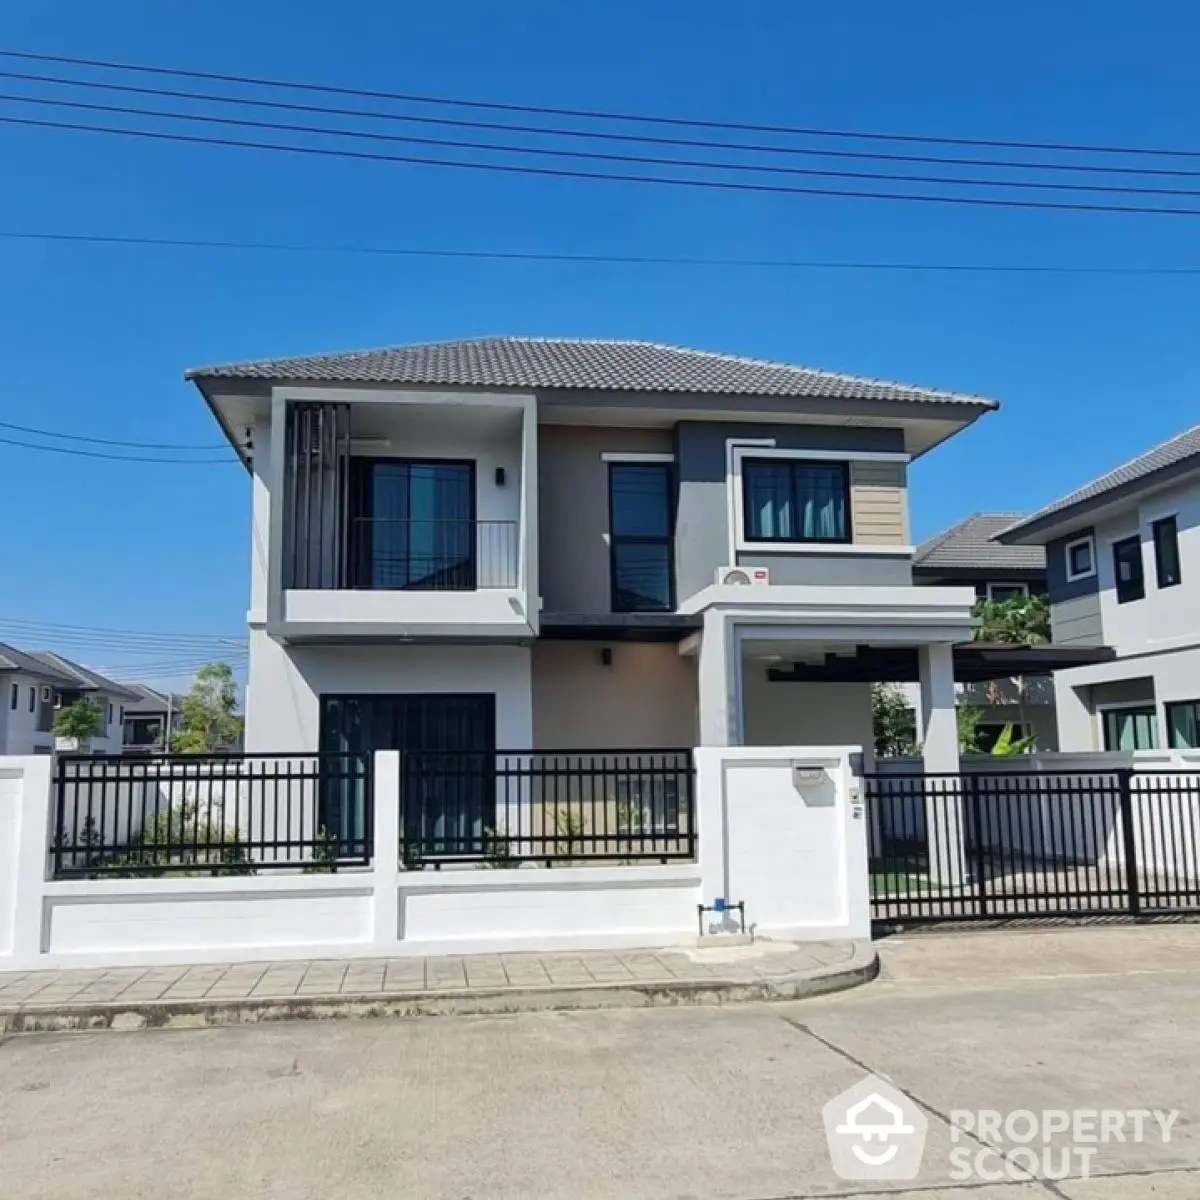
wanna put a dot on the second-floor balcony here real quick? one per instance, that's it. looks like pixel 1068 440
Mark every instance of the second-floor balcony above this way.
pixel 385 533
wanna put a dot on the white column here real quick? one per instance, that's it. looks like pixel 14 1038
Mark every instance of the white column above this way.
pixel 943 805
pixel 385 859
pixel 719 680
pixel 32 850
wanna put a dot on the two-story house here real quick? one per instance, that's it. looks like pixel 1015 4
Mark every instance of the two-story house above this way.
pixel 34 686
pixel 150 720
pixel 969 554
pixel 1123 565
pixel 547 545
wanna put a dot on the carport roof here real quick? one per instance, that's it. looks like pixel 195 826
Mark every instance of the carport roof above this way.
pixel 974 662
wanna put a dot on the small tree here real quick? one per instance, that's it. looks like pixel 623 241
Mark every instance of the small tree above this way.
pixel 80 721
pixel 1018 621
pixel 207 720
pixel 894 721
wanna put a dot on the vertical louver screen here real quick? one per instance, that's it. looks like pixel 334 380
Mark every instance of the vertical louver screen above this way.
pixel 316 496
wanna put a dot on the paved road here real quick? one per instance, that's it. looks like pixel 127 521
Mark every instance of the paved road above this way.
pixel 672 1103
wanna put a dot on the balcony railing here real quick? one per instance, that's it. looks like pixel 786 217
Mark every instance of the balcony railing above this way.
pixel 433 555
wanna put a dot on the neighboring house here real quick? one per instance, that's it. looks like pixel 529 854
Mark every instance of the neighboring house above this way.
pixel 28 690
pixel 526 544
pixel 36 685
pixel 150 720
pixel 968 554
pixel 1123 563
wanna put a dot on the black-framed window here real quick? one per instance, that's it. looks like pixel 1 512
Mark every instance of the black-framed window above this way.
pixel 1127 569
pixel 33 699
pixel 1183 724
pixel 792 500
pixel 1001 592
pixel 413 525
pixel 641 513
pixel 14 696
pixel 1134 727
pixel 1167 569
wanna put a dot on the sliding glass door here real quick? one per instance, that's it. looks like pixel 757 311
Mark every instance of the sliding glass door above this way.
pixel 414 524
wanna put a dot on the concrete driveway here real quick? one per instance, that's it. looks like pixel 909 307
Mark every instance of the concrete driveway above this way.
pixel 703 1103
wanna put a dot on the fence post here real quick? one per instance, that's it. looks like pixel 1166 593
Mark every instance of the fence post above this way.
pixel 979 849
pixel 36 820
pixel 1129 837
pixel 385 848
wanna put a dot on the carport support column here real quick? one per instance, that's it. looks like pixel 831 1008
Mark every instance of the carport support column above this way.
pixel 720 682
pixel 944 822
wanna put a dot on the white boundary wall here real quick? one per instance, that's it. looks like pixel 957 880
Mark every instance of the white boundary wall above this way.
pixel 792 846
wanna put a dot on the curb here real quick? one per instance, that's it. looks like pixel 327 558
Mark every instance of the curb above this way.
pixel 860 968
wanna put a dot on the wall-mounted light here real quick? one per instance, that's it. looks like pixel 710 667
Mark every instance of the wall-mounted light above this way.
pixel 606 656
pixel 499 476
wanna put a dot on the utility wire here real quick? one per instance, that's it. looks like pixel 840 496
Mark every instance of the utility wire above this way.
pixel 601 259
pixel 141 634
pixel 608 176
pixel 77 437
pixel 598 135
pixel 198 462
pixel 600 156
pixel 598 114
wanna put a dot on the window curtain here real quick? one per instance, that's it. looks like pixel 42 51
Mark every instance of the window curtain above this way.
pixel 795 501
pixel 822 502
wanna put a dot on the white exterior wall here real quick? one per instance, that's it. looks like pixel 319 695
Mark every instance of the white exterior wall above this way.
pixel 1167 619
pixel 18 726
pixel 287 682
pixel 791 846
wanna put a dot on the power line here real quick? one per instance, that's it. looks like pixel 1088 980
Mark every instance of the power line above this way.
pixel 54 628
pixel 600 259
pixel 600 114
pixel 198 462
pixel 601 156
pixel 598 135
pixel 608 176
pixel 78 437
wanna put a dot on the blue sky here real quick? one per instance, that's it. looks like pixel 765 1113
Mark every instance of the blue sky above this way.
pixel 1090 370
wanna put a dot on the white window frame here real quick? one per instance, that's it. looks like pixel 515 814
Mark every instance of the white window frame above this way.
pixel 737 449
pixel 999 583
pixel 46 695
pixel 1090 541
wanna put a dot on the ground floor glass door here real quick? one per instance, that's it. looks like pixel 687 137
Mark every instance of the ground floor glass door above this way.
pixel 448 795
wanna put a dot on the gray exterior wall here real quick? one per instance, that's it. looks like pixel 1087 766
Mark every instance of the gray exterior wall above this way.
pixel 702 525
pixel 1074 606
pixel 646 700
pixel 573 510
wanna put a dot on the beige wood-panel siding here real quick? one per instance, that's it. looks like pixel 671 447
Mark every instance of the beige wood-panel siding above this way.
pixel 879 503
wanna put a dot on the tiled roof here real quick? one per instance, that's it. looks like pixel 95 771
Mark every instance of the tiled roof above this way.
pixel 553 363
pixel 971 543
pixel 80 676
pixel 1178 449
pixel 12 659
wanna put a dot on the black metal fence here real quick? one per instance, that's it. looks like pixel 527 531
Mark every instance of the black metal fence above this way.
pixel 505 808
pixel 231 814
pixel 1018 844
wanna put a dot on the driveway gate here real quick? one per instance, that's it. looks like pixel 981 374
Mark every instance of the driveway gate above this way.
pixel 1009 844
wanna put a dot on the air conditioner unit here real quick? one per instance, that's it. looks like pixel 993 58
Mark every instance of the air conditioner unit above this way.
pixel 743 576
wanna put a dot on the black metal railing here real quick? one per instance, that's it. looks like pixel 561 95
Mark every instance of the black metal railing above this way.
pixel 557 807
pixel 232 814
pixel 436 556
pixel 1001 844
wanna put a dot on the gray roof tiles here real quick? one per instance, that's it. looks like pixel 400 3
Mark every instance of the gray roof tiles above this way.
pixel 971 544
pixel 1176 450
pixel 79 676
pixel 12 659
pixel 566 363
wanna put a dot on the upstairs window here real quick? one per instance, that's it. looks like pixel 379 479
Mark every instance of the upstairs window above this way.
pixel 32 699
pixel 1081 558
pixel 1127 569
pixel 1000 592
pixel 788 500
pixel 641 524
pixel 1166 552
pixel 14 696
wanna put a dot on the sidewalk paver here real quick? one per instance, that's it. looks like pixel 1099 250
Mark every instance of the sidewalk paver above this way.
pixel 247 992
